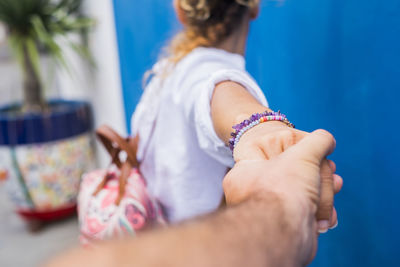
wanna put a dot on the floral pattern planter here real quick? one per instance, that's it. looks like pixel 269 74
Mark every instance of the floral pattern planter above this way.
pixel 46 176
pixel 43 156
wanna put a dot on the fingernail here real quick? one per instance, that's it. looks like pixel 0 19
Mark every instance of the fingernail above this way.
pixel 323 226
pixel 336 224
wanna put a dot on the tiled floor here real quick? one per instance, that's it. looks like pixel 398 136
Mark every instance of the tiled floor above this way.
pixel 20 248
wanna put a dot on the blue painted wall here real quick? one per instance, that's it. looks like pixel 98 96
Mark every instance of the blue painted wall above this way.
pixel 332 64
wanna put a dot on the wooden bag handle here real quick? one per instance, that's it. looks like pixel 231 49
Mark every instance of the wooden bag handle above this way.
pixel 114 144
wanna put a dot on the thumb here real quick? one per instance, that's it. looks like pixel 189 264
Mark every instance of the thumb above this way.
pixel 315 147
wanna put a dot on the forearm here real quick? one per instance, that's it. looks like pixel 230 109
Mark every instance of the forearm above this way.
pixel 255 233
pixel 231 104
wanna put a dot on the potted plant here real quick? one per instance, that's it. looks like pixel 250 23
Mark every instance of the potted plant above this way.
pixel 45 146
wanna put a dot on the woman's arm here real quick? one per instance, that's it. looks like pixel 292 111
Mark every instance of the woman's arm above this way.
pixel 231 103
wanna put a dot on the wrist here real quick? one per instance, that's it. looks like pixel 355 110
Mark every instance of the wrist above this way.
pixel 291 223
pixel 245 115
pixel 294 208
pixel 254 121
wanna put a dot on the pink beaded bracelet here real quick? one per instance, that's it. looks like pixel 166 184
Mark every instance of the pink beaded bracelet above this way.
pixel 254 120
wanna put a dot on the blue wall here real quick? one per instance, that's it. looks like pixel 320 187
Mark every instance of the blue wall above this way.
pixel 332 64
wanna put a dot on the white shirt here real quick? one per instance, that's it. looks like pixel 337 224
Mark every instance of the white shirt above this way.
pixel 182 158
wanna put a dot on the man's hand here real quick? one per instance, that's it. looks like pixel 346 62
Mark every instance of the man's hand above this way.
pixel 300 174
pixel 231 104
pixel 268 140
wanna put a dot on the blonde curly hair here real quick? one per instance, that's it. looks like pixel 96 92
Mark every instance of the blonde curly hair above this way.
pixel 207 23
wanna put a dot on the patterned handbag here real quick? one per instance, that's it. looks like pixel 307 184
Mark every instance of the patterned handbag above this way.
pixel 115 202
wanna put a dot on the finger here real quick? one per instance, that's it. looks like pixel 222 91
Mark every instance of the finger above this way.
pixel 290 138
pixel 252 152
pixel 295 137
pixel 332 165
pixel 315 147
pixel 337 180
pixel 325 206
pixel 274 145
pixel 271 149
pixel 337 183
pixel 323 226
pixel 334 220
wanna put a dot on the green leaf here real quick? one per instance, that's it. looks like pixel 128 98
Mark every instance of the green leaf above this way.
pixel 84 52
pixel 36 26
pixel 53 47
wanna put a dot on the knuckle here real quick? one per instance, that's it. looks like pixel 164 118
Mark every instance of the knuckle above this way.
pixel 324 133
pixel 289 136
pixel 327 136
pixel 268 139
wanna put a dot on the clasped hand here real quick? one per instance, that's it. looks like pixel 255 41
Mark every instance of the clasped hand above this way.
pixel 291 164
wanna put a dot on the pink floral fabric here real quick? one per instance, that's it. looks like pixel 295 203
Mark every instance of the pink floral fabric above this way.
pixel 101 219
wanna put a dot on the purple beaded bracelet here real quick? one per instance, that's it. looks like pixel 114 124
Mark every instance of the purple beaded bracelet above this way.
pixel 254 120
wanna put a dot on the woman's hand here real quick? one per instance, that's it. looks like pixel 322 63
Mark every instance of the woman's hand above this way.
pixel 266 141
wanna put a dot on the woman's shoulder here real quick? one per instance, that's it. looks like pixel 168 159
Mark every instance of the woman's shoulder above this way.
pixel 200 64
pixel 210 58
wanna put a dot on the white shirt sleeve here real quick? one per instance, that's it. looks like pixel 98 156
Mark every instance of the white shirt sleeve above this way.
pixel 207 137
